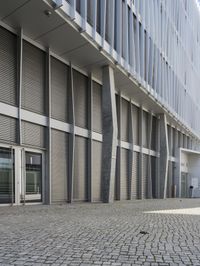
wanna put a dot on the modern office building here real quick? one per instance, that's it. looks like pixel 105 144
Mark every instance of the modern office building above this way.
pixel 99 100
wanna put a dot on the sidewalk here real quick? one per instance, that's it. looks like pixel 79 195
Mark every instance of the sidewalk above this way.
pixel 122 233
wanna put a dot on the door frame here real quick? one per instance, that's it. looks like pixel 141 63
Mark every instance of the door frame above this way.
pixel 20 169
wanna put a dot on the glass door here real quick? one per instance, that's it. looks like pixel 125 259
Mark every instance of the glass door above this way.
pixel 7 176
pixel 31 177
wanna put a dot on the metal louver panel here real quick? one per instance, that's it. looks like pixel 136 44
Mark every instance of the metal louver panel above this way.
pixel 175 144
pixel 59 86
pixel 117 174
pixel 145 176
pixel 153 176
pixel 169 138
pixel 8 67
pixel 59 166
pixel 172 142
pixel 96 171
pixel 124 174
pixel 180 139
pixel 125 122
pixel 135 176
pixel 169 180
pixel 135 122
pixel 80 169
pixel 97 107
pixel 33 79
pixel 80 84
pixel 154 133
pixel 33 134
pixel 8 132
pixel 173 176
pixel 145 129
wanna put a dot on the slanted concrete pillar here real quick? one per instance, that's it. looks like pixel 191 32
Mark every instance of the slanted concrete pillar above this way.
pixel 164 154
pixel 109 135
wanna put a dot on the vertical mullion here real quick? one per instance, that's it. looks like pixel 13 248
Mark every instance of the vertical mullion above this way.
pixel 73 8
pixel 103 20
pixel 120 143
pixel 49 172
pixel 84 14
pixel 131 153
pixel 158 194
pixel 119 29
pixel 71 137
pixel 20 58
pixel 112 22
pixel 149 191
pixel 94 18
pixel 126 21
pixel 131 43
pixel 141 181
pixel 90 140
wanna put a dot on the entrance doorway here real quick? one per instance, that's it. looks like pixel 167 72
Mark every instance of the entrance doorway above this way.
pixel 21 175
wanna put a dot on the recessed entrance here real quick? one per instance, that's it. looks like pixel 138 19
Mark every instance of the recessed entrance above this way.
pixel 21 175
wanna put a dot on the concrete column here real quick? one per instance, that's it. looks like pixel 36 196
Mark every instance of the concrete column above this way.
pixel 19 84
pixel 164 154
pixel 109 134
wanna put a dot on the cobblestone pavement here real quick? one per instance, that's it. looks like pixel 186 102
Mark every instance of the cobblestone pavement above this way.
pixel 127 233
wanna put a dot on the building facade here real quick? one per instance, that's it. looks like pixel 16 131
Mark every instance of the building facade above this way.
pixel 99 100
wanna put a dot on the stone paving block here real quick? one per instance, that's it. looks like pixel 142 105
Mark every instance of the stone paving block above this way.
pixel 100 234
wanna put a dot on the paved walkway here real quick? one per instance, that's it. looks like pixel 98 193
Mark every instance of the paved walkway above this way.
pixel 127 233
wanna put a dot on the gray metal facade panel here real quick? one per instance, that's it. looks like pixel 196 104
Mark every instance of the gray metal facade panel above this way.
pixel 117 174
pixel 135 176
pixel 174 142
pixel 97 107
pixel 125 120
pixel 59 87
pixel 80 84
pixel 59 166
pixel 154 133
pixel 135 122
pixel 145 129
pixel 33 79
pixel 33 135
pixel 169 180
pixel 153 177
pixel 169 138
pixel 145 175
pixel 165 58
pixel 80 169
pixel 124 175
pixel 96 171
pixel 8 132
pixel 180 139
pixel 8 67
